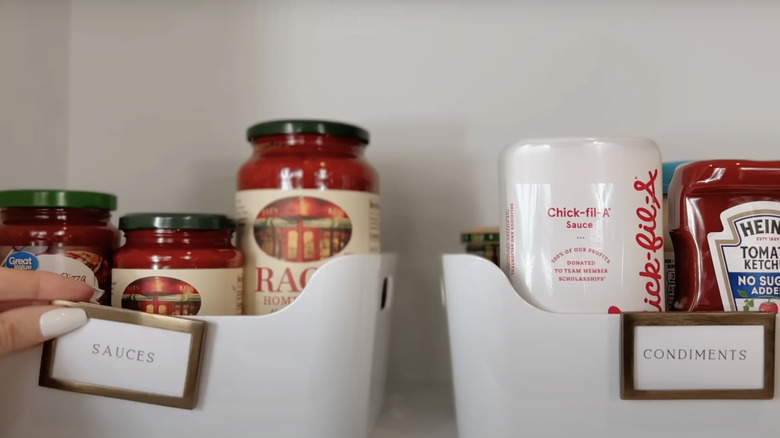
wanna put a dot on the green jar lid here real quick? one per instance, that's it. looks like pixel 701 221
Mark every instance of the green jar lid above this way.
pixel 57 198
pixel 480 235
pixel 282 127
pixel 176 221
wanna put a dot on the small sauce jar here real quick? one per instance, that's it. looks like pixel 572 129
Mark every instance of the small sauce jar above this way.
pixel 307 194
pixel 482 242
pixel 62 231
pixel 725 224
pixel 178 264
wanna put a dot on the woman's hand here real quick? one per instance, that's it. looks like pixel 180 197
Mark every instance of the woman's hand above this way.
pixel 26 316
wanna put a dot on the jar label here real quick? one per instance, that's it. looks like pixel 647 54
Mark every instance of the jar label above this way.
pixel 746 256
pixel 287 234
pixel 671 278
pixel 75 262
pixel 178 291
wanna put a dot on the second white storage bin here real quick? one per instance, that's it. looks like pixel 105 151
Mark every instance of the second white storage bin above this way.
pixel 519 371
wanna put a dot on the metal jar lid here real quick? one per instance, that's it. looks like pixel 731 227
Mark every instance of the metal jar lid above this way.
pixel 479 236
pixel 57 199
pixel 286 127
pixel 175 221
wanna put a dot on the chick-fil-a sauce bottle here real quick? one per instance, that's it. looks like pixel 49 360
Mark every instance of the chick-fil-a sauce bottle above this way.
pixel 63 231
pixel 582 223
pixel 307 194
pixel 725 224
pixel 178 264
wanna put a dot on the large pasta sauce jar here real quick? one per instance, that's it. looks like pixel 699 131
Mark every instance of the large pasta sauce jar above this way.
pixel 307 194
pixel 62 231
pixel 178 264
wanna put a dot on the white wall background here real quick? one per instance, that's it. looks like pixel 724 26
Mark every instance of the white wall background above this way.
pixel 33 93
pixel 157 96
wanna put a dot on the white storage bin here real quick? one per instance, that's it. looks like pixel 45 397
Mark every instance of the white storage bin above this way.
pixel 519 371
pixel 313 369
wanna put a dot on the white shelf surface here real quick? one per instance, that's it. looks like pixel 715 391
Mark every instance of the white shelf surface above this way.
pixel 417 411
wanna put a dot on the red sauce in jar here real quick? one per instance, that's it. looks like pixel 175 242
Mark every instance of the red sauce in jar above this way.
pixel 725 227
pixel 178 264
pixel 306 194
pixel 61 231
pixel 303 160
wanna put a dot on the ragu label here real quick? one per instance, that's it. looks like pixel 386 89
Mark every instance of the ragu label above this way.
pixel 746 256
pixel 650 239
pixel 287 234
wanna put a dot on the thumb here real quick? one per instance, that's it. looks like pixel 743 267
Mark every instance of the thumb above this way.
pixel 24 327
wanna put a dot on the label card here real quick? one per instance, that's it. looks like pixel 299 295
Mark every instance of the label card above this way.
pixel 725 355
pixel 127 354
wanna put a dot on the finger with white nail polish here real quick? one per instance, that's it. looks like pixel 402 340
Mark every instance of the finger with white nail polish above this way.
pixel 61 320
pixel 24 327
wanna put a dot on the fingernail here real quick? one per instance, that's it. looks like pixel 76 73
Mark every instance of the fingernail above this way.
pixel 60 321
pixel 96 294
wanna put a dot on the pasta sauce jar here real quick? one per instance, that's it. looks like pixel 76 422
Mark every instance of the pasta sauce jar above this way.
pixel 482 242
pixel 725 224
pixel 61 231
pixel 307 194
pixel 178 264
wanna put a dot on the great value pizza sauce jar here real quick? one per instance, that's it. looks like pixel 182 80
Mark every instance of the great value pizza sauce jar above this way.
pixel 725 225
pixel 63 231
pixel 178 264
pixel 307 194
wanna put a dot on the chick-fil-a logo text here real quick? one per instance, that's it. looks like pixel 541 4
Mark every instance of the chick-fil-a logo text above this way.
pixel 649 240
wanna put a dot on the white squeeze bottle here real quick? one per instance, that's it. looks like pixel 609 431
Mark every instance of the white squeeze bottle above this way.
pixel 582 224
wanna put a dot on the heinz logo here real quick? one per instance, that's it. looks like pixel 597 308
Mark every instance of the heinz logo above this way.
pixel 22 260
pixel 760 226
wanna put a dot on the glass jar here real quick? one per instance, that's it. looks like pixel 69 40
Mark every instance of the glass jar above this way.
pixel 482 242
pixel 725 223
pixel 306 194
pixel 178 264
pixel 62 231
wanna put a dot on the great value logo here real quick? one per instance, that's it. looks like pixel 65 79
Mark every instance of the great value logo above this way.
pixel 21 260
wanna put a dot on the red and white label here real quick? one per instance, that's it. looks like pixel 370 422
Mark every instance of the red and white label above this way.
pixel 204 292
pixel 650 240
